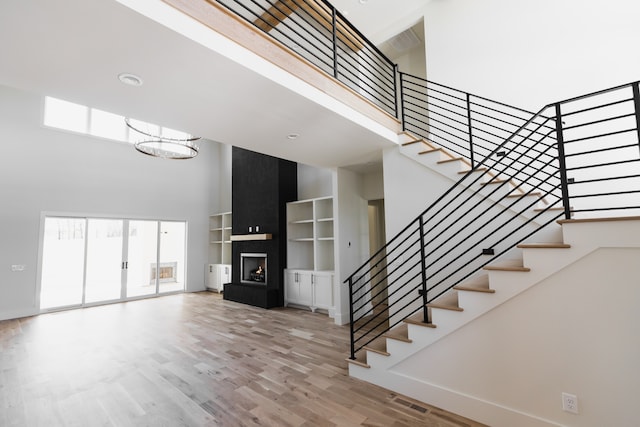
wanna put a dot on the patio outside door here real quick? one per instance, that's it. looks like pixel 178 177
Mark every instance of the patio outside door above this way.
pixel 88 261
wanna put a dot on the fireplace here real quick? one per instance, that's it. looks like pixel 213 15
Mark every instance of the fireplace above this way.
pixel 253 268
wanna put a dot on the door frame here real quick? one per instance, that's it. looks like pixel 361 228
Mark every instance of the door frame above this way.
pixel 126 219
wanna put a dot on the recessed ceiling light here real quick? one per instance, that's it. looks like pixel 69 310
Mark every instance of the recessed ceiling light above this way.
pixel 293 136
pixel 363 1
pixel 130 79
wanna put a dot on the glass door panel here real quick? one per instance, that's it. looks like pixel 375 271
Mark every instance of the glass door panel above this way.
pixel 62 262
pixel 142 257
pixel 170 272
pixel 103 280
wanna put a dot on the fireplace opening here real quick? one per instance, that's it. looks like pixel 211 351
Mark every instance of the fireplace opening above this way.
pixel 253 268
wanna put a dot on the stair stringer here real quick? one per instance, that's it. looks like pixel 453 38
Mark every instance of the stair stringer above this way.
pixel 584 236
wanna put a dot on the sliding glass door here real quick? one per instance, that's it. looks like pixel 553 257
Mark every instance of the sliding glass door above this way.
pixel 172 255
pixel 88 261
pixel 63 249
pixel 142 255
pixel 103 277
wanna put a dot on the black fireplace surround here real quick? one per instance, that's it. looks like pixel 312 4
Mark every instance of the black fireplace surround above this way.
pixel 261 186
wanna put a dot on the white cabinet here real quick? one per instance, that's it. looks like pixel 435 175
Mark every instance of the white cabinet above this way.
pixel 219 270
pixel 217 276
pixel 310 253
pixel 322 290
pixel 313 289
pixel 297 288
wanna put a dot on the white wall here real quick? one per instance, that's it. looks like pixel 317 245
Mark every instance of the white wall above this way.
pixel 531 53
pixel 373 186
pixel 314 182
pixel 221 193
pixel 409 188
pixel 45 170
pixel 351 236
pixel 574 332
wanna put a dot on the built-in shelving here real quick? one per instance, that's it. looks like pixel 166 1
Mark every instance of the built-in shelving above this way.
pixel 219 268
pixel 310 234
pixel 310 253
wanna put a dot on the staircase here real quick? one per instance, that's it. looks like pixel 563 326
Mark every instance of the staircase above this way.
pixel 448 349
pixel 468 325
pixel 559 163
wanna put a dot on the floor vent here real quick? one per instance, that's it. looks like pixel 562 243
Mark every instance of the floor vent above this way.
pixel 412 405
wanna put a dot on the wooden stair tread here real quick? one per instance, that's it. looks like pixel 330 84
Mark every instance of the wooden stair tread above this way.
pixel 418 141
pixel 445 307
pixel 404 144
pixel 399 333
pixel 417 319
pixel 474 289
pixel 431 150
pixel 555 208
pixel 378 346
pixel 453 159
pixel 477 170
pixel 544 246
pixel 494 181
pixel 360 360
pixel 535 194
pixel 511 265
pixel 607 219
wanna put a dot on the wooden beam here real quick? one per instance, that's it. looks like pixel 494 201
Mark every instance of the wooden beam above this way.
pixel 282 9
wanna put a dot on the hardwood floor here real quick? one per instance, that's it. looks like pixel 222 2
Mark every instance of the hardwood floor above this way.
pixel 191 360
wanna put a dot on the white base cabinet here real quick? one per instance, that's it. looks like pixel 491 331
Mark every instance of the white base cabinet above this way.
pixel 217 276
pixel 308 288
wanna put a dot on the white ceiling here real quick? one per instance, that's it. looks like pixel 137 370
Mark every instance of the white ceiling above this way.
pixel 379 20
pixel 74 50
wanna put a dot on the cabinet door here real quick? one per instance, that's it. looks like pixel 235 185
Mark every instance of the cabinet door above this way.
pixel 323 291
pixel 212 276
pixel 291 287
pixel 224 274
pixel 306 288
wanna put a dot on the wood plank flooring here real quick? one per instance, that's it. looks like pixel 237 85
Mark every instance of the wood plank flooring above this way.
pixel 191 360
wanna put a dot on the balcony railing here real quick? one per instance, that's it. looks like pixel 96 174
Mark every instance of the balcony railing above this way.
pixel 315 30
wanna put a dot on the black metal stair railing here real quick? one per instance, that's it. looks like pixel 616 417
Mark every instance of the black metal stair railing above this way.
pixel 466 125
pixel 579 157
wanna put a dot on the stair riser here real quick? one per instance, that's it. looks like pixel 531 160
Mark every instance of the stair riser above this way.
pixel 474 302
pixel 520 203
pixel 494 191
pixel 550 259
pixel 413 150
pixel 509 283
pixel 394 347
pixel 602 234
pixel 431 160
